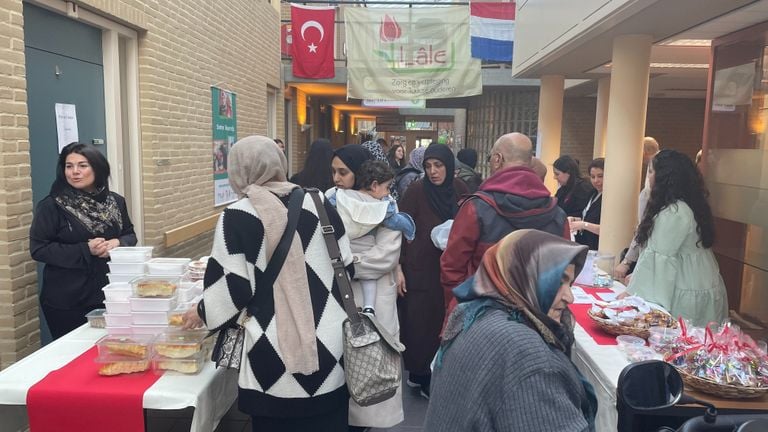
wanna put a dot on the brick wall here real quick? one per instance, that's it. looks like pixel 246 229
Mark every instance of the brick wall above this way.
pixel 185 47
pixel 578 130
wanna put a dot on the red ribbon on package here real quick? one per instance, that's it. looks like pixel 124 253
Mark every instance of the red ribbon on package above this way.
pixel 579 312
pixel 76 398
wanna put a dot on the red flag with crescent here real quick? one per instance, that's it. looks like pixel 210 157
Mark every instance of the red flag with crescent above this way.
pixel 312 40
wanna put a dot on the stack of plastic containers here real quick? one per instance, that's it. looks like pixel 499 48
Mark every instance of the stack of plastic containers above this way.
pixel 151 299
pixel 126 264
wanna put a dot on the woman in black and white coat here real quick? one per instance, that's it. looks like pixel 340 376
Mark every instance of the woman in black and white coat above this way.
pixel 290 377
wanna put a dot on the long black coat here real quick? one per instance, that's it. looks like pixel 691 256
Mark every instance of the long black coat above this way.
pixel 422 310
pixel 72 277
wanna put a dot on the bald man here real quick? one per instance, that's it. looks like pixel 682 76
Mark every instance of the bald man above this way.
pixel 513 197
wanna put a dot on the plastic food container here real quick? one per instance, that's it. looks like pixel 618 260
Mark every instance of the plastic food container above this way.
pixel 119 277
pixel 141 304
pixel 626 340
pixel 126 268
pixel 191 365
pixel 196 270
pixel 110 365
pixel 117 320
pixel 135 347
pixel 155 286
pixel 167 266
pixel 119 331
pixel 148 330
pixel 96 318
pixel 182 344
pixel 126 254
pixel 117 291
pixel 115 307
pixel 149 318
pixel 176 316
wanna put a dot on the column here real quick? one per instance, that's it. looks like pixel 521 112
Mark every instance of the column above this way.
pixel 550 127
pixel 624 135
pixel 459 129
pixel 601 116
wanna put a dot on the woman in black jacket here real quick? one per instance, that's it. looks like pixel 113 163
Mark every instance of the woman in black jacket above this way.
pixel 72 232
pixel 574 191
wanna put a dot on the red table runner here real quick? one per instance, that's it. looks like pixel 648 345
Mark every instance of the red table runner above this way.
pixel 77 398
pixel 580 314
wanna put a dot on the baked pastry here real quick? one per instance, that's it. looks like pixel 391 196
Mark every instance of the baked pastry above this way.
pixel 188 367
pixel 176 319
pixel 127 349
pixel 123 367
pixel 155 288
pixel 177 351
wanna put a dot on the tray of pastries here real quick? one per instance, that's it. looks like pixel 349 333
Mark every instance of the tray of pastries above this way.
pixel 155 287
pixel 630 316
pixel 179 345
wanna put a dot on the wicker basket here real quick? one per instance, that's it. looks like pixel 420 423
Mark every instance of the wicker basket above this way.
pixel 616 329
pixel 726 391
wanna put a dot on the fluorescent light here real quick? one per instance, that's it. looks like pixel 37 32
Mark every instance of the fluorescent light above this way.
pixel 680 65
pixel 688 42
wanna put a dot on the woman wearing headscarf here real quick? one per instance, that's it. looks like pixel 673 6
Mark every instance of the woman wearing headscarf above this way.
pixel 412 172
pixel 72 232
pixel 375 258
pixel 506 347
pixel 377 151
pixel 317 167
pixel 430 201
pixel 290 377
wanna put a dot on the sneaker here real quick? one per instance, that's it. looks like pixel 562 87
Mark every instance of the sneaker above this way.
pixel 369 311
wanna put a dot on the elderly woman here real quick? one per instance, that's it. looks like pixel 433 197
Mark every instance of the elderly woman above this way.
pixel 574 192
pixel 430 201
pixel 504 363
pixel 376 258
pixel 412 172
pixel 73 230
pixel 290 378
pixel 677 268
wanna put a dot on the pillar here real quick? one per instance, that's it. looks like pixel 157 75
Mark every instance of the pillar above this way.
pixel 601 116
pixel 459 128
pixel 624 135
pixel 550 127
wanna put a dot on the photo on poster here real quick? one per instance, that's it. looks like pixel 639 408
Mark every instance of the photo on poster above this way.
pixel 225 104
pixel 733 87
pixel 220 153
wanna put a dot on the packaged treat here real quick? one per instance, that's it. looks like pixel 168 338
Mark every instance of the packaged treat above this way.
pixel 110 366
pixel 191 365
pixel 155 286
pixel 134 346
pixel 182 344
pixel 96 318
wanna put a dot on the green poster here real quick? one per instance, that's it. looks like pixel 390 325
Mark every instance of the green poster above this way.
pixel 224 113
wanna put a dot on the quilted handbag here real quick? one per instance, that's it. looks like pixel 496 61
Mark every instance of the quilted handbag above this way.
pixel 372 356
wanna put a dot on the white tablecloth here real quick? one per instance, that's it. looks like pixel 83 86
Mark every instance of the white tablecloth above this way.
pixel 211 392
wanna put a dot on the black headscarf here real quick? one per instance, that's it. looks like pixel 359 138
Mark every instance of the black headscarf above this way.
pixel 353 156
pixel 441 198
pixel 468 156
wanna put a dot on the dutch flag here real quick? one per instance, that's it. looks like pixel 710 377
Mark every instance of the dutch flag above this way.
pixel 492 27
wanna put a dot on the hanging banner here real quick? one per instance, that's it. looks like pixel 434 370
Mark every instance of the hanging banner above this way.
pixel 224 113
pixel 410 53
pixel 381 103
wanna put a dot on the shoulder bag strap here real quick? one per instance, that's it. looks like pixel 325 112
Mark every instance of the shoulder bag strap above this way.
pixel 295 202
pixel 339 270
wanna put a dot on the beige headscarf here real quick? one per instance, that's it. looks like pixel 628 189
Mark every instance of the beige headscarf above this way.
pixel 257 169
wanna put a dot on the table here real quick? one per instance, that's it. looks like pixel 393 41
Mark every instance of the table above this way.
pixel 211 392
pixel 601 366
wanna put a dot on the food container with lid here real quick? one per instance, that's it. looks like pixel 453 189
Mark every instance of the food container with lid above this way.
pixel 190 365
pixel 155 286
pixel 626 340
pixel 117 320
pixel 142 304
pixel 120 277
pixel 127 268
pixel 119 331
pixel 133 346
pixel 149 318
pixel 96 318
pixel 117 291
pixel 136 254
pixel 176 316
pixel 180 344
pixel 110 365
pixel 148 329
pixel 167 266
pixel 115 307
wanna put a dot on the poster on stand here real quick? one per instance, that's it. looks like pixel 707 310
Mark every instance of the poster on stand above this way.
pixel 224 114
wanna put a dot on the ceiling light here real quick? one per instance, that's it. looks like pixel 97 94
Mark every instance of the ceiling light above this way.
pixel 680 65
pixel 688 42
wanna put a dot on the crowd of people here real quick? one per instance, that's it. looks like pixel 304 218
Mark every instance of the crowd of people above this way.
pixel 471 316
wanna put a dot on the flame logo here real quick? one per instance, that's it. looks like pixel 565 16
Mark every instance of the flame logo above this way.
pixel 389 30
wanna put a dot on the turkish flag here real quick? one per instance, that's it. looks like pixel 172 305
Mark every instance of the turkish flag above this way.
pixel 312 41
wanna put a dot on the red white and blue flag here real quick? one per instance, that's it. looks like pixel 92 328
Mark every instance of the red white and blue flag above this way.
pixel 492 29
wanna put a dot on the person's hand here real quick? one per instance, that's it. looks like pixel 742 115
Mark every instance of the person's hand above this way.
pixel 620 271
pixel 96 246
pixel 191 320
pixel 623 295
pixel 400 282
pixel 108 246
pixel 627 279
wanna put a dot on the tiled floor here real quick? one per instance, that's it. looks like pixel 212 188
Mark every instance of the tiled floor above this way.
pixel 234 421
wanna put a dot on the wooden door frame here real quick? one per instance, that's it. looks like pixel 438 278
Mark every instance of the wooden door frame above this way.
pixel 114 107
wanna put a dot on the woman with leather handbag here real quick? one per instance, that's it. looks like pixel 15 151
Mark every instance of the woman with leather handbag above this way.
pixel 290 377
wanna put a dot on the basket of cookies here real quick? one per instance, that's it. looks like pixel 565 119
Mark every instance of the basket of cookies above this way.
pixel 630 316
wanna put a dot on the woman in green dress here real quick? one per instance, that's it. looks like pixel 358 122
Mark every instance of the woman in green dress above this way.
pixel 677 268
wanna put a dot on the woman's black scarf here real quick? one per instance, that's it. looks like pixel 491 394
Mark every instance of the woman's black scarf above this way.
pixel 98 212
pixel 441 198
pixel 353 156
